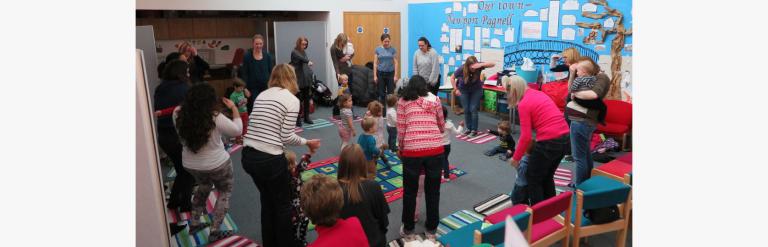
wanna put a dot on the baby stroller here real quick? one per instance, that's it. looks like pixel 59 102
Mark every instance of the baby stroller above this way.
pixel 321 95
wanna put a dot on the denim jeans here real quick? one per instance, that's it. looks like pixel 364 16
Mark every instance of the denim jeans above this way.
pixel 543 161
pixel 470 99
pixel 412 167
pixel 386 85
pixel 581 137
pixel 270 174
pixel 519 192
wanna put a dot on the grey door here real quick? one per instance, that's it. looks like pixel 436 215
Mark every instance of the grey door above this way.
pixel 286 34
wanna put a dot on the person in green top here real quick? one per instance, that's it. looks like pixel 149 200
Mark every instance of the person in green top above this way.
pixel 239 95
pixel 256 69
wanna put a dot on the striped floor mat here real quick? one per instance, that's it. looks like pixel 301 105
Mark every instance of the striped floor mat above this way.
pixel 234 241
pixel 563 177
pixel 172 216
pixel 184 239
pixel 457 220
pixel 481 138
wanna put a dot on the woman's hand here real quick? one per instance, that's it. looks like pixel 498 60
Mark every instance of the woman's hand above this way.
pixel 476 65
pixel 514 163
pixel 310 63
pixel 375 79
pixel 313 145
pixel 456 92
pixel 247 93
pixel 157 113
pixel 228 103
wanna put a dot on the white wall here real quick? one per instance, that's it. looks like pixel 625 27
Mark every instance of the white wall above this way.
pixel 335 8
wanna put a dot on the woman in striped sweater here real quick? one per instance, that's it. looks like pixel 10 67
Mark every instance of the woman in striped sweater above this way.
pixel 270 128
pixel 420 124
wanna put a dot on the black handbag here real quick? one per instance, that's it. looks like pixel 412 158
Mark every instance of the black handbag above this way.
pixel 602 215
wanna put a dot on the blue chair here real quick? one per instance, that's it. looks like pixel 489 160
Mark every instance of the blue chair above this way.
pixel 600 192
pixel 462 236
pixel 494 234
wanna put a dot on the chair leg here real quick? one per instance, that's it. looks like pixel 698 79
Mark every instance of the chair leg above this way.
pixel 576 239
pixel 566 239
pixel 621 238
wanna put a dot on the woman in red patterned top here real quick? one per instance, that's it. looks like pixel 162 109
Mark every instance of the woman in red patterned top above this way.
pixel 420 124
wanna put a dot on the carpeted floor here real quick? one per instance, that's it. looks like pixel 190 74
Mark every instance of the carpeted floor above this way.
pixel 485 177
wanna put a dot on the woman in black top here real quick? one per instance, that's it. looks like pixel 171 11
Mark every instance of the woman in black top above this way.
pixel 170 93
pixel 301 65
pixel 197 66
pixel 362 197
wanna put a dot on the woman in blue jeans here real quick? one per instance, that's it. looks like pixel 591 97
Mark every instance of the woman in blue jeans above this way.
pixel 468 85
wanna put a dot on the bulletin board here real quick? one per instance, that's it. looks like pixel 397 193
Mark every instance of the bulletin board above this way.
pixel 458 30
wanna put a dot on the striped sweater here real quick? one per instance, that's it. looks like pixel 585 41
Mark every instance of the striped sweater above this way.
pixel 273 121
pixel 420 126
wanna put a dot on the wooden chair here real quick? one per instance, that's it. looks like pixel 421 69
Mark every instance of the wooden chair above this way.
pixel 600 192
pixel 548 226
pixel 616 169
pixel 618 121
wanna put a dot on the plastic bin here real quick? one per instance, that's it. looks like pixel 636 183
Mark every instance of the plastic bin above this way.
pixel 529 76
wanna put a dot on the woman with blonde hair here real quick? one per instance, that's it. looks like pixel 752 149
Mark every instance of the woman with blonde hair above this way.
pixel 539 114
pixel 304 79
pixel 256 68
pixel 270 129
pixel 197 66
pixel 569 56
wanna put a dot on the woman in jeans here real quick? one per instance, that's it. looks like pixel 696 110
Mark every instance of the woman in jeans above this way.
pixel 200 126
pixel 385 68
pixel 539 114
pixel 468 85
pixel 270 129
pixel 420 124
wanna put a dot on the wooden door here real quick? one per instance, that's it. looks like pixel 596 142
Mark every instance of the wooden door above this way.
pixel 373 24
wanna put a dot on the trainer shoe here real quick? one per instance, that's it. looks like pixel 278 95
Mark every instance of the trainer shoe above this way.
pixel 467 132
pixel 407 235
pixel 431 235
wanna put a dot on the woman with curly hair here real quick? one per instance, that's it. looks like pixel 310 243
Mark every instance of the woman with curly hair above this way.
pixel 200 125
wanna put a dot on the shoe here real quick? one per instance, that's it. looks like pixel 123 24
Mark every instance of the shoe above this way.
pixel 176 228
pixel 503 157
pixel 431 235
pixel 195 229
pixel 568 158
pixel 406 235
pixel 218 235
pixel 473 133
pixel 298 123
pixel 308 121
pixel 467 132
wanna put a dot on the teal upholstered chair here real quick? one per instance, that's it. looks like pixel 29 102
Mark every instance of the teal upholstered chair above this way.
pixel 494 234
pixel 600 192
pixel 462 236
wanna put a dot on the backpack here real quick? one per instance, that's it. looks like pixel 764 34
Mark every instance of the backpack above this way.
pixel 602 215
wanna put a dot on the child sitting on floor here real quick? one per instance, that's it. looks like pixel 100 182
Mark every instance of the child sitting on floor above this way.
pixel 298 218
pixel 367 142
pixel 322 200
pixel 506 146
pixel 586 70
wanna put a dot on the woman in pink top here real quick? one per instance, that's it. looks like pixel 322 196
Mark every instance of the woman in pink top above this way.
pixel 419 135
pixel 538 114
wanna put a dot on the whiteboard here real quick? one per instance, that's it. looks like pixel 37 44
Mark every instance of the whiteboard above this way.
pixel 493 55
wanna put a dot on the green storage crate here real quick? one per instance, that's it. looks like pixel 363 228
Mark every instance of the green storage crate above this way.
pixel 489 102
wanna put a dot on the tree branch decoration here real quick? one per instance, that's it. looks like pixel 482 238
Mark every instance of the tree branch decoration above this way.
pixel 617 43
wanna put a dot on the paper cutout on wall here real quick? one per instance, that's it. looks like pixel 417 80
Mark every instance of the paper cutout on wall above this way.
pixel 600 48
pixel 604 61
pixel 588 7
pixel 446 50
pixel 468 34
pixel 486 43
pixel 448 10
pixel 451 61
pixel 608 23
pixel 441 59
pixel 569 34
pixel 569 20
pixel 493 55
pixel 455 42
pixel 472 8
pixel 531 30
pixel 464 13
pixel 468 45
pixel 531 13
pixel 554 18
pixel 478 33
pixel 509 35
pixel 498 31
pixel 444 39
pixel 456 6
pixel 571 5
pixel 445 28
pixel 486 33
pixel 465 57
pixel 543 14
pixel 458 57
pixel 581 31
pixel 479 56
pixel 495 43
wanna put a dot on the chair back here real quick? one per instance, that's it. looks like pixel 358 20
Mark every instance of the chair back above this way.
pixel 494 234
pixel 463 236
pixel 618 112
pixel 551 207
pixel 600 192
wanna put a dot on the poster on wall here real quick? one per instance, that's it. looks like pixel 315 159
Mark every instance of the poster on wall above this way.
pixel 554 18
pixel 531 30
pixel 509 35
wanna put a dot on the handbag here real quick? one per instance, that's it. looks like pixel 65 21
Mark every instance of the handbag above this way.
pixel 602 215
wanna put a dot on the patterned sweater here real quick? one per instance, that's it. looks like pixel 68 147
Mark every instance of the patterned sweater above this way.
pixel 420 125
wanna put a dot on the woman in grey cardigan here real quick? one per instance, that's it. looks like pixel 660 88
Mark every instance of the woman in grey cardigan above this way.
pixel 427 65
pixel 301 65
